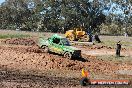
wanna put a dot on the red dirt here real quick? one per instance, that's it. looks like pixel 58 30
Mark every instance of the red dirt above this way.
pixel 30 57
pixel 20 41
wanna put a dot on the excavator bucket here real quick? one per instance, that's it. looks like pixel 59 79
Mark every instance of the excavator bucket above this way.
pixel 77 34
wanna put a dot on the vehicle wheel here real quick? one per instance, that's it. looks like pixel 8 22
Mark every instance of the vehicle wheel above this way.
pixel 84 81
pixel 45 49
pixel 68 55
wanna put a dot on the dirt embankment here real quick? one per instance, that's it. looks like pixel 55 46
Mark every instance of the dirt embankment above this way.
pixel 20 41
pixel 30 57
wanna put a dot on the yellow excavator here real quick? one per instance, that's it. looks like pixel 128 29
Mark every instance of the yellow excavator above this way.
pixel 77 34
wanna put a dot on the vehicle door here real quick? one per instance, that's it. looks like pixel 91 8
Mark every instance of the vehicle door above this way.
pixel 57 45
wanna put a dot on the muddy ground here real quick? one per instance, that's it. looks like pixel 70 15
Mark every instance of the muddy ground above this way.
pixel 23 65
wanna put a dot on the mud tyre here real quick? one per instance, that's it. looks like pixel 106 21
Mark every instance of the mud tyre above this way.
pixel 68 55
pixel 45 49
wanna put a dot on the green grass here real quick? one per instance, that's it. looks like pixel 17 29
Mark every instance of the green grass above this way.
pixel 4 36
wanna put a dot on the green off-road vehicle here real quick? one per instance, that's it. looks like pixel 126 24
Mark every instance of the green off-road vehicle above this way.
pixel 59 45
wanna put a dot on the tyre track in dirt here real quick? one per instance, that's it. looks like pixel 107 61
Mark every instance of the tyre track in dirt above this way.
pixel 14 80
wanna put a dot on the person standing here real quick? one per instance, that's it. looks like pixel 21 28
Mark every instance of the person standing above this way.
pixel 97 38
pixel 118 49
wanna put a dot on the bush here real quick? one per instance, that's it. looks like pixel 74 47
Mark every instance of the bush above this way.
pixel 113 29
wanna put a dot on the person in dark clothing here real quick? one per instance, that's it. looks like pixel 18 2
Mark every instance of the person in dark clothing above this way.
pixel 118 49
pixel 89 33
pixel 90 38
pixel 97 38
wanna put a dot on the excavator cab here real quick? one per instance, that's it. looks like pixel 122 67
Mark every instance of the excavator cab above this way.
pixel 76 34
pixel 79 32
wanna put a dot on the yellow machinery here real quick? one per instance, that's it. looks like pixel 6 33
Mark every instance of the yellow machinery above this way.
pixel 77 34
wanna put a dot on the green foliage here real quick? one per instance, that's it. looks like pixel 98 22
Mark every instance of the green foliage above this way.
pixel 58 16
pixel 114 29
pixel 110 29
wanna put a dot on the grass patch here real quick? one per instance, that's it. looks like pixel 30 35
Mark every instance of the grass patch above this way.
pixel 113 58
pixel 125 44
pixel 112 40
pixel 4 36
pixel 113 44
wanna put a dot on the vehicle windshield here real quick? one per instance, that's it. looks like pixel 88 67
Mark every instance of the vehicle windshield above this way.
pixel 65 42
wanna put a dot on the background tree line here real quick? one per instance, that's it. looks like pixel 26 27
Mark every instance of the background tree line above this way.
pixel 61 15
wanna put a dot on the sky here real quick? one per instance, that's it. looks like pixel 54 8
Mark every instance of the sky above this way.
pixel 1 1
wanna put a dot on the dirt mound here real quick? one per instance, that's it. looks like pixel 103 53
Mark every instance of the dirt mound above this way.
pixel 98 47
pixel 20 41
pixel 32 58
pixel 101 47
pixel 26 58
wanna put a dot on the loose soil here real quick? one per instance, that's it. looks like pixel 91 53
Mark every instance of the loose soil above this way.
pixel 23 55
pixel 20 41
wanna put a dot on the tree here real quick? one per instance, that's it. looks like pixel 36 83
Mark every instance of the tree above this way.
pixel 61 15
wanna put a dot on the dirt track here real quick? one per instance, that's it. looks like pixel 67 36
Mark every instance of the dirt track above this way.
pixel 15 80
pixel 28 58
pixel 24 57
